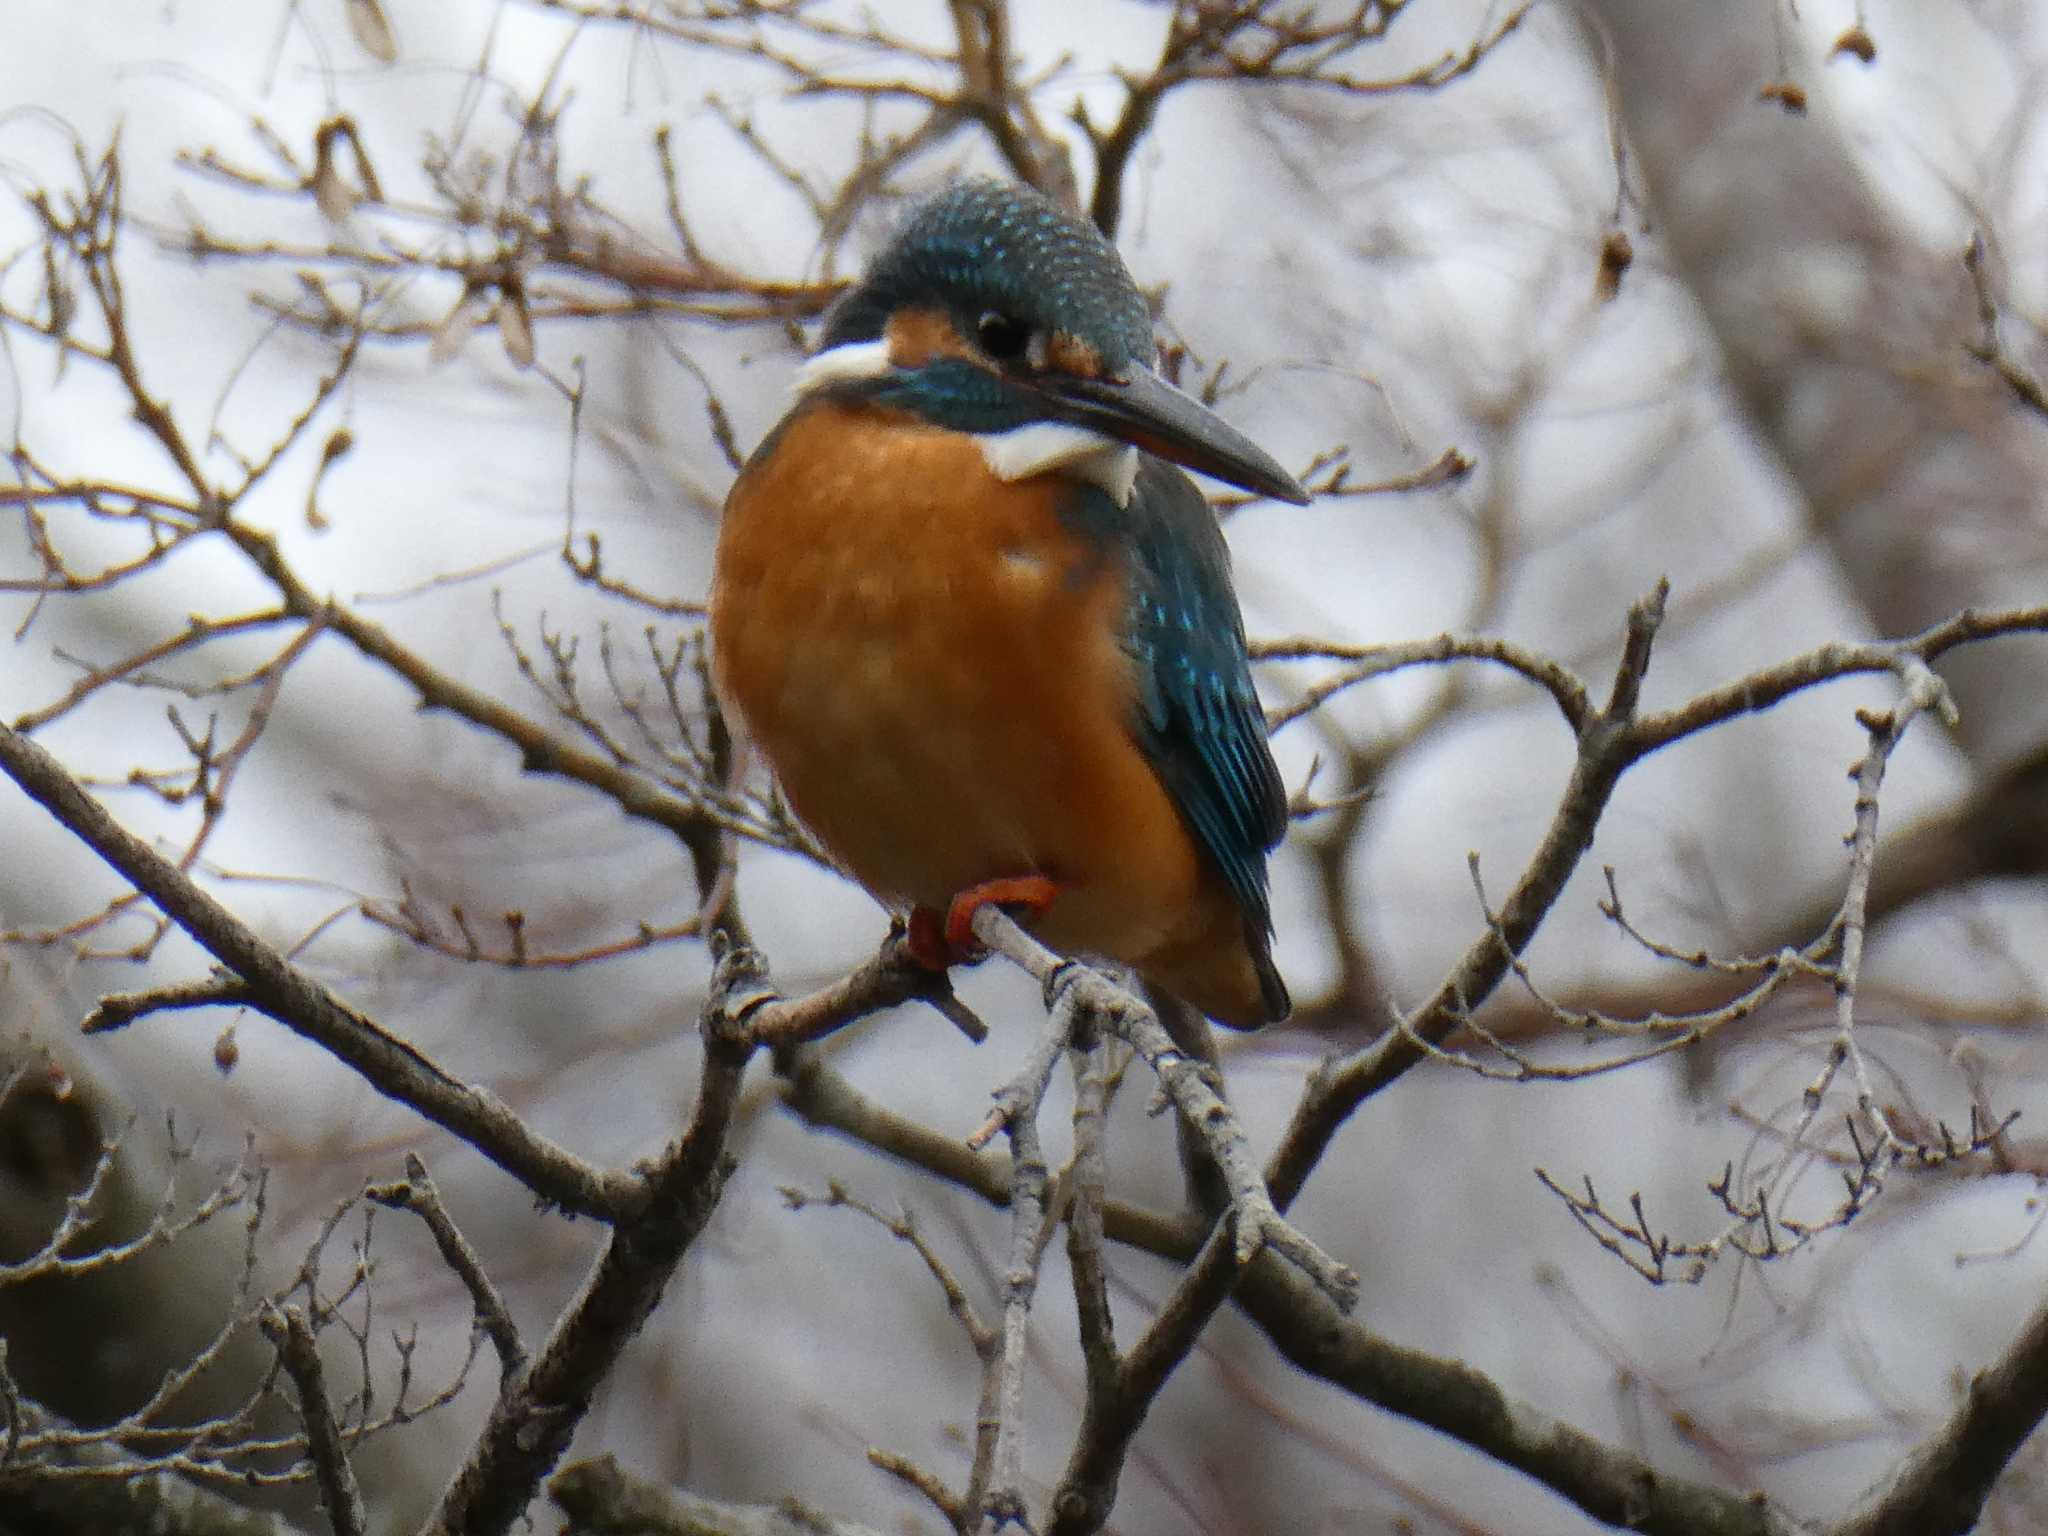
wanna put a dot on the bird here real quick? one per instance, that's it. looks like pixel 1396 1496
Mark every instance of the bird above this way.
pixel 982 628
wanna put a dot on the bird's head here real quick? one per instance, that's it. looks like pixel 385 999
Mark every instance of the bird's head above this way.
pixel 993 311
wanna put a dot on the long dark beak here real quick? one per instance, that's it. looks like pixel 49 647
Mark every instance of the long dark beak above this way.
pixel 1149 413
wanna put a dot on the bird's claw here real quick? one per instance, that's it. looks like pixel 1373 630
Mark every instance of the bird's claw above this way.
pixel 939 943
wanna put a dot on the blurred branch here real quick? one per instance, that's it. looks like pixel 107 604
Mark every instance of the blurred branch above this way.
pixel 159 1437
pixel 962 1512
pixel 288 1330
pixel 499 243
pixel 197 632
pixel 539 1408
pixel 824 1097
pixel 1263 43
pixel 132 1497
pixel 1988 348
pixel 1608 1482
pixel 288 995
pixel 117 1010
pixel 168 1222
pixel 1372 661
pixel 825 55
pixel 1872 425
pixel 601 1498
pixel 1328 477
pixel 1942 1487
pixel 406 920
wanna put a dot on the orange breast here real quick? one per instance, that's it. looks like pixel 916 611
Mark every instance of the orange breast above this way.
pixel 929 659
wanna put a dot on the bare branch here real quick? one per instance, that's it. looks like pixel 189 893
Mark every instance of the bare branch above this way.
pixel 117 1010
pixel 289 1331
pixel 1942 1488
pixel 1372 661
pixel 418 1195
pixel 1093 1081
pixel 132 1498
pixel 891 978
pixel 1609 1483
pixel 995 1488
pixel 304 1006
pixel 1255 1221
pixel 960 1510
pixel 601 1498
pixel 825 1098
pixel 538 1408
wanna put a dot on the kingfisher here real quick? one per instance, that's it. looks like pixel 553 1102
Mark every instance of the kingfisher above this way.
pixel 983 630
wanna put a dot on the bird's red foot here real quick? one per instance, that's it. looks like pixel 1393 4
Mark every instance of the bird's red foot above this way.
pixel 938 943
pixel 1034 893
pixel 926 940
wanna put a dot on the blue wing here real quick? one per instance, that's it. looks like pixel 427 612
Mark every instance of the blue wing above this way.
pixel 1199 719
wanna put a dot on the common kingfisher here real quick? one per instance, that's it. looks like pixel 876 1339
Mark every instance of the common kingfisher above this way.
pixel 985 634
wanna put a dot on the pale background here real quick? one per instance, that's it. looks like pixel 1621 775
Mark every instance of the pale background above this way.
pixel 1400 275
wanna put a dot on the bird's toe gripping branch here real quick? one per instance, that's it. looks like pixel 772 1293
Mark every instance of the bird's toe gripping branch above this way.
pixel 939 943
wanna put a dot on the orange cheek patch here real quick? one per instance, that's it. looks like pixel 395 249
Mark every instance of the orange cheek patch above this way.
pixel 1065 353
pixel 916 336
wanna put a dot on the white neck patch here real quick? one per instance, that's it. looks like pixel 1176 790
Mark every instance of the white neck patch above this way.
pixel 1047 447
pixel 853 360
pixel 1042 448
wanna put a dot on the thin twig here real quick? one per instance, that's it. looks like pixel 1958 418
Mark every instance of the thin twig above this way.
pixel 288 1330
pixel 419 1195
pixel 395 1068
pixel 538 1409
pixel 1255 1220
pixel 995 1487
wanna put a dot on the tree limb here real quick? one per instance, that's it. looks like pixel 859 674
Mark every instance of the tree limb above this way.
pixel 281 990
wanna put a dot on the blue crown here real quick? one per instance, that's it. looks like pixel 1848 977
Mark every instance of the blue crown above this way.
pixel 984 246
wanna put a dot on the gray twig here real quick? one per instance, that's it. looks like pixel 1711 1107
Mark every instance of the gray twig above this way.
pixel 601 1498
pixel 996 1485
pixel 1256 1222
pixel 288 1330
pixel 539 1408
pixel 418 1194
pixel 287 994
pixel 1094 1080
pixel 117 1010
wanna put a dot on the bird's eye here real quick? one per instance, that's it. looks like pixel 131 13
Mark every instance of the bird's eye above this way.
pixel 1003 337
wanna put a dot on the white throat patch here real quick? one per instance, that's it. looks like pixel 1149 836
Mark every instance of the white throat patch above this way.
pixel 1047 447
pixel 1043 448
pixel 854 360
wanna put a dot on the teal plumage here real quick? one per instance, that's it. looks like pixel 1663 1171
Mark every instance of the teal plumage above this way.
pixel 1198 716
